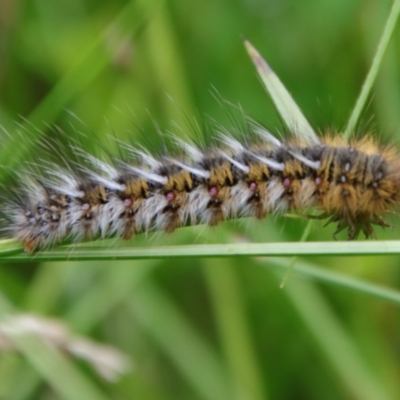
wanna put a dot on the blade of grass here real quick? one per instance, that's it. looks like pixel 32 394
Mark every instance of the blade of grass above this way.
pixel 168 66
pixel 24 380
pixel 48 364
pixel 92 307
pixel 317 273
pixel 95 59
pixel 370 79
pixel 119 283
pixel 335 343
pixel 10 246
pixel 190 354
pixel 286 106
pixel 85 312
pixel 13 366
pixel 217 250
pixel 235 337
pixel 46 287
pixel 257 249
pixel 303 238
pixel 67 381
pixel 6 306
pixel 386 97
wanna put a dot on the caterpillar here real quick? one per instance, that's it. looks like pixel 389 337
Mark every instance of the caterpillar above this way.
pixel 352 183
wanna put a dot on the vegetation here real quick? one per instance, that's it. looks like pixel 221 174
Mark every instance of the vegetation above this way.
pixel 193 327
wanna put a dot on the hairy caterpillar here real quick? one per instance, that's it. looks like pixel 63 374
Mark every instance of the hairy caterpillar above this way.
pixel 351 183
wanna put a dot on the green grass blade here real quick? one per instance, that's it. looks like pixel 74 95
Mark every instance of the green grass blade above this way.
pixel 229 312
pixel 336 344
pixel 370 79
pixel 119 284
pixel 216 250
pixel 320 274
pixel 10 246
pixel 190 354
pixel 67 381
pixel 168 66
pixel 286 106
pixel 23 380
pixel 95 59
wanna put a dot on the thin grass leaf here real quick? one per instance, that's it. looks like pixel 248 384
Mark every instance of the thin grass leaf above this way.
pixel 46 288
pixel 10 246
pixel 168 67
pixel 11 367
pixel 119 284
pixel 59 372
pixel 336 344
pixel 95 59
pixel 370 79
pixel 235 336
pixel 23 380
pixel 286 106
pixel 318 273
pixel 197 362
pixel 217 250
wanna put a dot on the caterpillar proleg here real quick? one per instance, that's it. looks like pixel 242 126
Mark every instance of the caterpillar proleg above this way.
pixel 353 183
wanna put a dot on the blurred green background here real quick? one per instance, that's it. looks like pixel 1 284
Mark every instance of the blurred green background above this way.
pixel 202 329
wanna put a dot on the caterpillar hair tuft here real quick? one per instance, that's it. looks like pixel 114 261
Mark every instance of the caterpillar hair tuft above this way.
pixel 353 183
